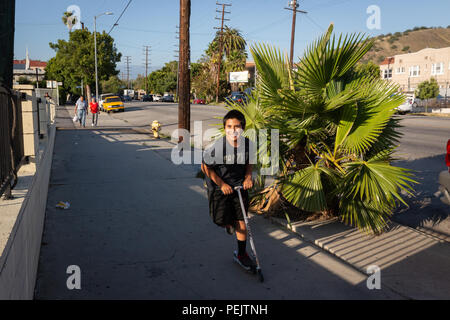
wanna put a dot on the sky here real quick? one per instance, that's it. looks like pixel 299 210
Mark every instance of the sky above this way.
pixel 154 23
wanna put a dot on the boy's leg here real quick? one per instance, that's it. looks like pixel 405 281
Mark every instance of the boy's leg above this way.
pixel 241 230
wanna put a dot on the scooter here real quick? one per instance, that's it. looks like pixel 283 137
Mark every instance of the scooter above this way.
pixel 257 270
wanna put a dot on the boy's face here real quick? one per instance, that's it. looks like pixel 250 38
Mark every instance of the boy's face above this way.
pixel 233 129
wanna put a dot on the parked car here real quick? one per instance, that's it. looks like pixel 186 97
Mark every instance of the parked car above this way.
pixel 237 97
pixel 444 179
pixel 249 91
pixel 127 99
pixel 406 107
pixel 167 98
pixel 198 101
pixel 113 104
pixel 157 97
pixel 102 97
pixel 147 97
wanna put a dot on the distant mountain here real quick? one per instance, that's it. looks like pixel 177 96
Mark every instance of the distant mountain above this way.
pixel 408 41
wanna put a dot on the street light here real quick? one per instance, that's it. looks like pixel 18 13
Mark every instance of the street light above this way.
pixel 95 46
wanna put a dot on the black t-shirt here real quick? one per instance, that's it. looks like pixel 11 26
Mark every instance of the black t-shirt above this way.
pixel 230 166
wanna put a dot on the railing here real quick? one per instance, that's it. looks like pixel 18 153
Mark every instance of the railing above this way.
pixel 11 140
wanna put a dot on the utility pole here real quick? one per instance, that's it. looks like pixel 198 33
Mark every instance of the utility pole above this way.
pixel 220 44
pixel 293 7
pixel 177 57
pixel 128 61
pixel 146 48
pixel 184 106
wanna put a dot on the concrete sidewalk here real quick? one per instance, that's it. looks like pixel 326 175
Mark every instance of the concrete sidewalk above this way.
pixel 138 228
pixel 412 263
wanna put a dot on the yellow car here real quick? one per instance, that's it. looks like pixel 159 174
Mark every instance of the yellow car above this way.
pixel 113 104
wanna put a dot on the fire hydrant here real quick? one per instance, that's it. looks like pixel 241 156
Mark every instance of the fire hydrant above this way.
pixel 156 127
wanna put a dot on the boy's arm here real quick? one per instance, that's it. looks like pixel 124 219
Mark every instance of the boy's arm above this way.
pixel 248 183
pixel 226 189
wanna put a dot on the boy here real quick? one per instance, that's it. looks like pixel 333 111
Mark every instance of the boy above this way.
pixel 226 165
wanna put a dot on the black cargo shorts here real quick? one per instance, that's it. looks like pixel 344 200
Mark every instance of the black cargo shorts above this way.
pixel 226 209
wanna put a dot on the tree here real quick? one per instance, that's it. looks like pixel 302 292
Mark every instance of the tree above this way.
pixel 427 90
pixel 139 82
pixel 74 61
pixel 24 80
pixel 165 79
pixel 234 57
pixel 337 131
pixel 369 69
pixel 112 85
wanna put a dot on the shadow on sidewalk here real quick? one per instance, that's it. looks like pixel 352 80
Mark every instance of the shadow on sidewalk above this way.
pixel 425 210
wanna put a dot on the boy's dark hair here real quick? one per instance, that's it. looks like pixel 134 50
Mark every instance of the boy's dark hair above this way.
pixel 235 114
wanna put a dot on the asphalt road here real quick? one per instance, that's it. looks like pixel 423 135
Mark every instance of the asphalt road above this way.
pixel 142 114
pixel 421 149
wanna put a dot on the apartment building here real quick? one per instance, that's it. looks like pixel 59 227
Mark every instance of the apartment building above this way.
pixel 409 70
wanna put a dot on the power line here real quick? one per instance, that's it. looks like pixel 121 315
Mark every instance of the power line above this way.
pixel 315 23
pixel 116 23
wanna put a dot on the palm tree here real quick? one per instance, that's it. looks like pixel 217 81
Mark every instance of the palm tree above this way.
pixel 337 131
pixel 233 41
pixel 69 20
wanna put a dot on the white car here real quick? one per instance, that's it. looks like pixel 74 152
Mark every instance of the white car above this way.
pixel 157 97
pixel 408 105
pixel 444 180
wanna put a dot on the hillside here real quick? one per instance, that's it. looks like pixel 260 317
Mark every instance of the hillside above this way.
pixel 408 41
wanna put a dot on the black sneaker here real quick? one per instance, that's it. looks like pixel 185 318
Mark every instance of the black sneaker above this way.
pixel 230 229
pixel 245 261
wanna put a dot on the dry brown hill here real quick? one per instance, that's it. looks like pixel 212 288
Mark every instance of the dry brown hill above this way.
pixel 408 41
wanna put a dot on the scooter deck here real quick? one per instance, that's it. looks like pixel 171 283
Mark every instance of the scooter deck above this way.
pixel 247 269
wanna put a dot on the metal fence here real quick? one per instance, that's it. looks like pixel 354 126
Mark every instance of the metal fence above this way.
pixel 11 140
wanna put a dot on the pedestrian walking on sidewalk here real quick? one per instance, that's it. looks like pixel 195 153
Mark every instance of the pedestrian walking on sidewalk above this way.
pixel 226 165
pixel 81 111
pixel 94 110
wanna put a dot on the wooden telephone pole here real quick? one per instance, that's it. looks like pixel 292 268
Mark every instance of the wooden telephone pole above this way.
pixel 220 45
pixel 293 6
pixel 184 90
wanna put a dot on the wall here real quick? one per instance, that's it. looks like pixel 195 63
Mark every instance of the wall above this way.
pixel 20 257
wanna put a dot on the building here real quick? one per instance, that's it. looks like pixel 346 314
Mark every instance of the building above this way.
pixel 29 69
pixel 410 69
